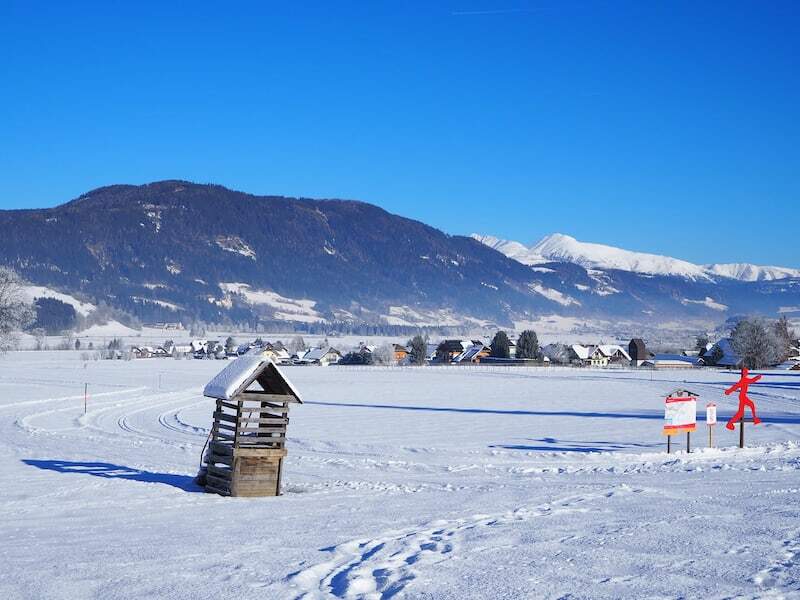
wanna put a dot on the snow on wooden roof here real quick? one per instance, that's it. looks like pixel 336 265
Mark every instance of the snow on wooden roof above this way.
pixel 610 349
pixel 241 373
pixel 582 352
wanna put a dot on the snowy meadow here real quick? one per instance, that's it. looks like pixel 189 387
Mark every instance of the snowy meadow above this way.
pixel 400 482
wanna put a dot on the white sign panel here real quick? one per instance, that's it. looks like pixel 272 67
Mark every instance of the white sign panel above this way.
pixel 680 414
pixel 711 414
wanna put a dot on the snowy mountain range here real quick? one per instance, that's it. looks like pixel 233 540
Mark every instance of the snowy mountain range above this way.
pixel 179 251
pixel 563 248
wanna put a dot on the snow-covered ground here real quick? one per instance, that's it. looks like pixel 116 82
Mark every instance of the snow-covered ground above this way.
pixel 418 483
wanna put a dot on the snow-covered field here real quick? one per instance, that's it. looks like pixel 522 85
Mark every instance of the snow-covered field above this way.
pixel 419 483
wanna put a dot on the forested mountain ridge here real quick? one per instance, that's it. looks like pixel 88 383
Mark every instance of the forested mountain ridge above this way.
pixel 175 250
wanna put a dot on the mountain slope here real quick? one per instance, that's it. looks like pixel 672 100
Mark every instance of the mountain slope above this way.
pixel 174 250
pixel 748 272
pixel 563 248
pixel 168 249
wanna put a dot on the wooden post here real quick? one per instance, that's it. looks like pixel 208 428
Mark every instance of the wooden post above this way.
pixel 688 442
pixel 669 440
pixel 710 436
pixel 85 396
pixel 741 432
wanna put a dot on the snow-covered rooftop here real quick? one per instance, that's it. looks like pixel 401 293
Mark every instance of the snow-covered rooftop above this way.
pixel 610 349
pixel 582 352
pixel 239 373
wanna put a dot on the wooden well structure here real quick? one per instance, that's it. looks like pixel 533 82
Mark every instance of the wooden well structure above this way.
pixel 247 443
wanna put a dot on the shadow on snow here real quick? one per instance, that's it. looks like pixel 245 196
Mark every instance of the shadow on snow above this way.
pixel 556 445
pixel 111 471
pixel 654 415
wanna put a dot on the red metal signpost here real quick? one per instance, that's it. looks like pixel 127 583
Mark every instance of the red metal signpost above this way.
pixel 744 401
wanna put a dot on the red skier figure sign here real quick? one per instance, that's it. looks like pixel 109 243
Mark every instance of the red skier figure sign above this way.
pixel 742 386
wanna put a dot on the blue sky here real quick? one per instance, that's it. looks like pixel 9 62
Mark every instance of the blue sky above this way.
pixel 656 126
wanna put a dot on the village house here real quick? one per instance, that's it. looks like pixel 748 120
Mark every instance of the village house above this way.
pixel 366 348
pixel 165 326
pixel 161 352
pixel 430 352
pixel 579 354
pixel 727 355
pixel 601 355
pixel 322 356
pixel 473 354
pixel 675 361
pixel 181 350
pixel 638 352
pixel 609 354
pixel 142 352
pixel 276 354
pixel 400 353
pixel 447 350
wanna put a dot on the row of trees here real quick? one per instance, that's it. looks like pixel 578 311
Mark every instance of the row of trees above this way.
pixel 527 345
pixel 758 342
pixel 500 347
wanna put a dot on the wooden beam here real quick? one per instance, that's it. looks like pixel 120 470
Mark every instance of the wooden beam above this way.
pixel 265 397
pixel 225 417
pixel 230 405
pixel 261 452
pixel 268 420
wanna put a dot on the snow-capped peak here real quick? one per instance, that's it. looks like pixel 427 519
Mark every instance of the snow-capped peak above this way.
pixel 747 272
pixel 564 248
pixel 515 250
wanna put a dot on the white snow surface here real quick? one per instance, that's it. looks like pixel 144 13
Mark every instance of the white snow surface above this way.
pixel 463 482
pixel 554 295
pixel 112 328
pixel 707 302
pixel 289 309
pixel 38 291
pixel 564 248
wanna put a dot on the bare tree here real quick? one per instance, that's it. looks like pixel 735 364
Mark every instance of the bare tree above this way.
pixel 297 344
pixel 784 336
pixel 557 353
pixel 15 312
pixel 756 343
pixel 701 343
pixel 384 355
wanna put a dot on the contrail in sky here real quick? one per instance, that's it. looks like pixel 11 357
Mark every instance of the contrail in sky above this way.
pixel 497 11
